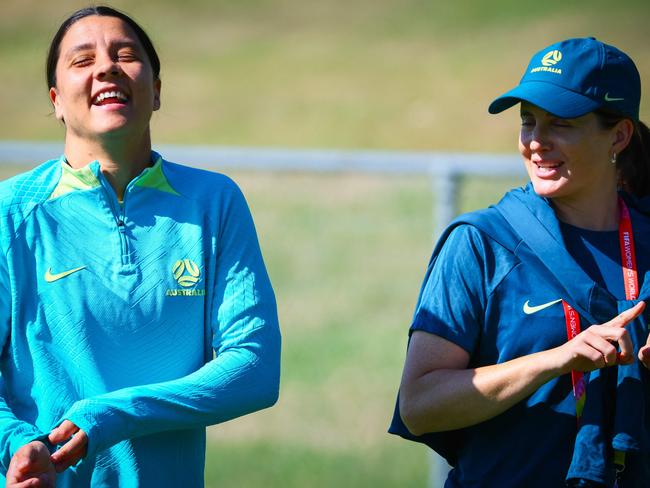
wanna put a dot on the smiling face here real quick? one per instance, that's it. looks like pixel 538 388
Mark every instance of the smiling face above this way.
pixel 568 159
pixel 104 80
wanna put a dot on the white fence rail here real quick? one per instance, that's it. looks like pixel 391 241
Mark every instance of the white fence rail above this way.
pixel 444 168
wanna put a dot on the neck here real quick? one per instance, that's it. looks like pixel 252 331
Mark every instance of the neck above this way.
pixel 598 213
pixel 120 161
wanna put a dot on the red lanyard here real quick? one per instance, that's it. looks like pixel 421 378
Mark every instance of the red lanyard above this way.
pixel 628 257
pixel 572 320
pixel 631 282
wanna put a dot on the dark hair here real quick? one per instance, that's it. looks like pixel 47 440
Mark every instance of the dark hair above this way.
pixel 633 163
pixel 102 11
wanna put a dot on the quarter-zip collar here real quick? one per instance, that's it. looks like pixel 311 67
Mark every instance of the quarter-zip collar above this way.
pixel 90 176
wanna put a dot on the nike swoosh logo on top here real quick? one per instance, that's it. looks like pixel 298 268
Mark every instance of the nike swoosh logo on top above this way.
pixel 528 309
pixel 49 277
pixel 609 99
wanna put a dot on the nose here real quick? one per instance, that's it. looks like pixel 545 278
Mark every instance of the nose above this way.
pixel 537 139
pixel 107 66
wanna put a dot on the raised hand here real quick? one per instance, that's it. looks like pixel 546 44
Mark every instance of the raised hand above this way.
pixel 595 347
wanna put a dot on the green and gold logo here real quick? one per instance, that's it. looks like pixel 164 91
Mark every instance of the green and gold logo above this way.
pixel 187 274
pixel 549 60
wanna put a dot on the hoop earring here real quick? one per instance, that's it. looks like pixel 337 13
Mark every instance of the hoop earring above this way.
pixel 613 160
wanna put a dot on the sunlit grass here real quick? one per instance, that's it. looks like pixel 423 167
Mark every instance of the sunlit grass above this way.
pixel 409 74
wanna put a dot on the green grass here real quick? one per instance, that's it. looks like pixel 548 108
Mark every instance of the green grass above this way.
pixel 296 466
pixel 407 74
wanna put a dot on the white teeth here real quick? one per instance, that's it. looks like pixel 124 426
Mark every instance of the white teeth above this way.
pixel 548 166
pixel 547 169
pixel 111 94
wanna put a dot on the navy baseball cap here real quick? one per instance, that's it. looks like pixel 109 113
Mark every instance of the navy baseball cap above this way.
pixel 577 76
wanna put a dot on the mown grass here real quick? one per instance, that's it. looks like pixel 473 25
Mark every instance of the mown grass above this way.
pixel 251 465
pixel 409 74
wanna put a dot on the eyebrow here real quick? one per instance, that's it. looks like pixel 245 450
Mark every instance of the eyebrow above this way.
pixel 88 45
pixel 79 47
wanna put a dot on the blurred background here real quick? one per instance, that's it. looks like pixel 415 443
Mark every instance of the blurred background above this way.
pixel 346 251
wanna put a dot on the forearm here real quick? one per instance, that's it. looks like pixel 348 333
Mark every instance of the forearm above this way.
pixel 14 434
pixel 447 399
pixel 237 382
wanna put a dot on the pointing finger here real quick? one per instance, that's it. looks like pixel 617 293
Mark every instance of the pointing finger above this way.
pixel 625 317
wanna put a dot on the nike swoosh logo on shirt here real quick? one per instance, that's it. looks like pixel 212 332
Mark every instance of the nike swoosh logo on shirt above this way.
pixel 528 309
pixel 49 277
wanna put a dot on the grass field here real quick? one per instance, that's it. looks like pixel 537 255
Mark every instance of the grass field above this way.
pixel 346 252
pixel 408 74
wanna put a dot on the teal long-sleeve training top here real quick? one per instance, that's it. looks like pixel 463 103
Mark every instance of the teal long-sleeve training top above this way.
pixel 140 321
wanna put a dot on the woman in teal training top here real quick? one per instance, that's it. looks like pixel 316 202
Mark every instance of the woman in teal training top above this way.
pixel 526 352
pixel 135 308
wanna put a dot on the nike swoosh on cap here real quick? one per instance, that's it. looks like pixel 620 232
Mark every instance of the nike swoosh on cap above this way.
pixel 51 277
pixel 611 99
pixel 530 309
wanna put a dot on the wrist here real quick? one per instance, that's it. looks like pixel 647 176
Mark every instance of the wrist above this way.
pixel 556 362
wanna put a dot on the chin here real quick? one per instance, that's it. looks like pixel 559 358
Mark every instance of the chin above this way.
pixel 115 127
pixel 548 189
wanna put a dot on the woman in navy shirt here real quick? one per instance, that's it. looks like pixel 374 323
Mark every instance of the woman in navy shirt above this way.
pixel 525 352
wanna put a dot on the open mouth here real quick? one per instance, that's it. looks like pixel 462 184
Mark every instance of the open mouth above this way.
pixel 548 167
pixel 109 97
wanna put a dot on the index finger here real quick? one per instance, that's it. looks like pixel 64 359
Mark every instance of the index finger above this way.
pixel 71 452
pixel 63 432
pixel 626 316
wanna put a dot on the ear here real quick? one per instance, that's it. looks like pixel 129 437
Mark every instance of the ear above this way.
pixel 54 98
pixel 623 132
pixel 156 94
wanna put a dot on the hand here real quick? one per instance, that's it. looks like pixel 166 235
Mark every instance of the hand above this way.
pixel 595 347
pixel 73 450
pixel 30 467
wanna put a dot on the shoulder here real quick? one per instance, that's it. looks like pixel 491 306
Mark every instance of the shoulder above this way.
pixel 467 244
pixel 477 247
pixel 23 192
pixel 483 230
pixel 199 184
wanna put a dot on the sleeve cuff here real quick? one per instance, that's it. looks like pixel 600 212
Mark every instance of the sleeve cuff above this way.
pixel 81 414
pixel 427 322
pixel 24 435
